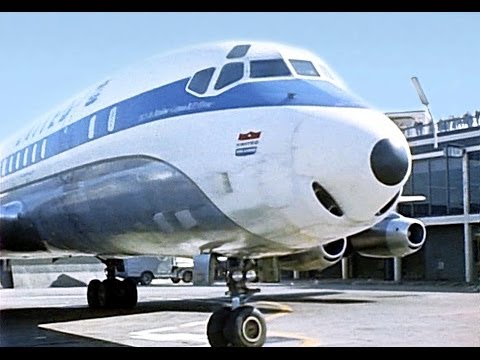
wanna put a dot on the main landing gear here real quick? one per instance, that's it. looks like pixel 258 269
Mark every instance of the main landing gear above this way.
pixel 111 292
pixel 239 325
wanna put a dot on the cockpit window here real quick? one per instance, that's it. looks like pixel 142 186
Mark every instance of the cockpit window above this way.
pixel 200 80
pixel 229 74
pixel 268 68
pixel 238 52
pixel 303 67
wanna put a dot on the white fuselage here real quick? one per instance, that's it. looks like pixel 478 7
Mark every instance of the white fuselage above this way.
pixel 262 184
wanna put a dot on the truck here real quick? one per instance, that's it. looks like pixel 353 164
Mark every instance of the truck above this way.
pixel 143 269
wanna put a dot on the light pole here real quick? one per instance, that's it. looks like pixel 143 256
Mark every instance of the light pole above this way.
pixel 424 101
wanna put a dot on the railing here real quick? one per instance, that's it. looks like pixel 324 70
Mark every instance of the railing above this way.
pixel 465 122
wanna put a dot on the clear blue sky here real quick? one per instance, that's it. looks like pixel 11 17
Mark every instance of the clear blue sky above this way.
pixel 46 58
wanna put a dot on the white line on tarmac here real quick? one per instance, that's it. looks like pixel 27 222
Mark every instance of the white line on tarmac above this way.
pixel 46 297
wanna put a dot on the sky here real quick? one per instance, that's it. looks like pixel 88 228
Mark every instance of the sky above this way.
pixel 45 58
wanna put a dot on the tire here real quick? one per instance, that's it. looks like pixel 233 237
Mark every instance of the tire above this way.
pixel 103 295
pixel 92 294
pixel 246 327
pixel 175 280
pixel 215 328
pixel 146 278
pixel 130 294
pixel 187 276
pixel 111 296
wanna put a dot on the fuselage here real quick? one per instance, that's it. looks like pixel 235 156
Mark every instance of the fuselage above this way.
pixel 248 151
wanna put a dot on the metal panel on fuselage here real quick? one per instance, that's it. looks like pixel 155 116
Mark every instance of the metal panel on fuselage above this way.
pixel 134 205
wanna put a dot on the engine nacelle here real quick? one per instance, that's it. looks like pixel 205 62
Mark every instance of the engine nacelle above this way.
pixel 318 258
pixel 396 235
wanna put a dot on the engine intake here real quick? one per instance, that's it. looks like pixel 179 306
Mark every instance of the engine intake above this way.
pixel 396 235
pixel 318 258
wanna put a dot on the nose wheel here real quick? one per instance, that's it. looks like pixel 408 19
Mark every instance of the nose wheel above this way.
pixel 239 325
pixel 243 327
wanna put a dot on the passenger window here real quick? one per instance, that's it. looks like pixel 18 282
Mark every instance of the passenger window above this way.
pixel 230 73
pixel 17 162
pixel 303 67
pixel 25 157
pixel 34 152
pixel 111 119
pixel 10 164
pixel 91 127
pixel 44 148
pixel 238 52
pixel 268 68
pixel 200 80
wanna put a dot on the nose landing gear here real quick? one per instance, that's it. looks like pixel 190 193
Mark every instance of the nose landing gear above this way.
pixel 239 325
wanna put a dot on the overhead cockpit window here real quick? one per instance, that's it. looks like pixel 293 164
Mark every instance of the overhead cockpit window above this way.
pixel 238 52
pixel 303 67
pixel 200 80
pixel 268 68
pixel 230 73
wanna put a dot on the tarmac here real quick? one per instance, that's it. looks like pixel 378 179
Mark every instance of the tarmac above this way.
pixel 321 313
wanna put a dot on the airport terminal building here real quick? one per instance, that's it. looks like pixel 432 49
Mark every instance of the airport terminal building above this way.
pixel 448 175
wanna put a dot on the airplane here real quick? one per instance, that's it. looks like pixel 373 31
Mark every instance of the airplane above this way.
pixel 245 150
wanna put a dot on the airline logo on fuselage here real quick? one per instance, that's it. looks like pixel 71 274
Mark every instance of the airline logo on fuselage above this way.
pixel 247 143
pixel 249 136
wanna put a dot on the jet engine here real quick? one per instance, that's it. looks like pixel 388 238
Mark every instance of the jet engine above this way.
pixel 318 258
pixel 396 235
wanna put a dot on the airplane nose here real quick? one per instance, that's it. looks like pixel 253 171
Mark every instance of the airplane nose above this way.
pixel 389 162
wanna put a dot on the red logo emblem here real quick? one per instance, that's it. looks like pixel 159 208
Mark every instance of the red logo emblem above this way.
pixel 252 135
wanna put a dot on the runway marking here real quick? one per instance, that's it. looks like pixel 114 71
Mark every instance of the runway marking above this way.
pixel 285 310
pixel 152 335
pixel 193 323
pixel 279 306
pixel 305 341
pixel 46 297
pixel 160 335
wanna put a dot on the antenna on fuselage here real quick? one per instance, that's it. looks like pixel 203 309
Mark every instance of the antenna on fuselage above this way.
pixel 424 100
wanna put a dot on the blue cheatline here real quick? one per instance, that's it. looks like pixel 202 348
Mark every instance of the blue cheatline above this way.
pixel 172 100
